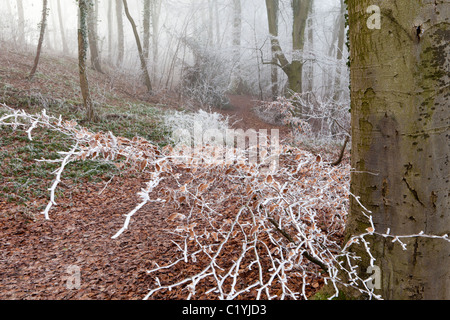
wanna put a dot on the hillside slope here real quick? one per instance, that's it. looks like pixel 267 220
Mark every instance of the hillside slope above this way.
pixel 197 212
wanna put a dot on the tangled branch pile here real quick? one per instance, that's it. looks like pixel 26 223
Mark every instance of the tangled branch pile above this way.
pixel 308 115
pixel 249 230
pixel 244 230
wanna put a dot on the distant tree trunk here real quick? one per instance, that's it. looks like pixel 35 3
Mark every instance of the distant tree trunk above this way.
pixel 21 21
pixel 145 74
pixel 340 52
pixel 41 38
pixel 217 18
pixel 294 69
pixel 401 150
pixel 93 37
pixel 310 67
pixel 156 10
pixel 146 25
pixel 110 30
pixel 301 11
pixel 8 9
pixel 82 57
pixel 272 13
pixel 53 28
pixel 62 30
pixel 210 23
pixel 120 33
pixel 237 31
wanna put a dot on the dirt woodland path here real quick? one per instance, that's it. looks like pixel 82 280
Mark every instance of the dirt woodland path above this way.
pixel 72 256
pixel 242 112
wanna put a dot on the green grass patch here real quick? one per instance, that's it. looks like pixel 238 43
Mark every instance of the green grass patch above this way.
pixel 24 179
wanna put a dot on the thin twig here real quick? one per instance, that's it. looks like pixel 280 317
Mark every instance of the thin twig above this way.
pixel 305 254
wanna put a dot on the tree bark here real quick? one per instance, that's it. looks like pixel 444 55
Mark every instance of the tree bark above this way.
pixel 61 28
pixel 110 30
pixel 93 37
pixel 400 148
pixel 301 10
pixel 210 24
pixel 41 38
pixel 155 7
pixel 293 69
pixel 144 69
pixel 82 57
pixel 21 16
pixel 120 33
pixel 272 14
pixel 217 18
pixel 146 25
pixel 237 32
pixel 310 67
pixel 340 52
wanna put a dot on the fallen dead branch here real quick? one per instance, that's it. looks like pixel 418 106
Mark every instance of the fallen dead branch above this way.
pixel 241 231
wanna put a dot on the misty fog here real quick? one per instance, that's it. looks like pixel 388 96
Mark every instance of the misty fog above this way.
pixel 183 31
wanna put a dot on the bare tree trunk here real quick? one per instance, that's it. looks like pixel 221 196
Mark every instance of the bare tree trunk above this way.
pixel 145 74
pixel 340 52
pixel 120 33
pixel 301 11
pixel 82 57
pixel 272 13
pixel 61 28
pixel 401 150
pixel 156 10
pixel 41 38
pixel 294 69
pixel 237 31
pixel 146 25
pixel 210 24
pixel 217 18
pixel 21 22
pixel 93 37
pixel 310 65
pixel 110 30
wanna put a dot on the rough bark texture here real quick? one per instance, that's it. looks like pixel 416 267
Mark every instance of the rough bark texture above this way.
pixel 400 151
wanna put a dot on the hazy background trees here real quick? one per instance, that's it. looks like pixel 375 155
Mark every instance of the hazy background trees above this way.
pixel 227 44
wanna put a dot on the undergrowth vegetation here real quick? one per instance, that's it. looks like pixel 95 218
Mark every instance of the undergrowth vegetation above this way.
pixel 25 181
pixel 266 229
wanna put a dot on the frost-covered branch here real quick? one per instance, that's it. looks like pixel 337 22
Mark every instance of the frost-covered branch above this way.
pixel 240 231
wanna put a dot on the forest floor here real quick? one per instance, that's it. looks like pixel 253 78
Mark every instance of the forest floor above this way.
pixel 37 256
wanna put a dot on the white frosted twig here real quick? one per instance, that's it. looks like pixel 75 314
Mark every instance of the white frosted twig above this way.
pixel 64 162
pixel 145 199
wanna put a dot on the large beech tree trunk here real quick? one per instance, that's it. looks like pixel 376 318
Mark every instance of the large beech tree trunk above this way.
pixel 400 151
